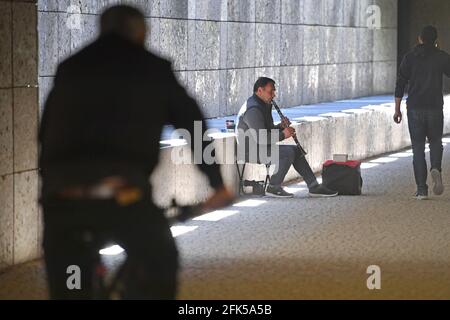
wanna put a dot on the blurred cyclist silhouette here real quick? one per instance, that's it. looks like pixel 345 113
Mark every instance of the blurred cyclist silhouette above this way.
pixel 99 140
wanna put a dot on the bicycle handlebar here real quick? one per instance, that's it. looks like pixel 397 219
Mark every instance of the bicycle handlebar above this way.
pixel 182 213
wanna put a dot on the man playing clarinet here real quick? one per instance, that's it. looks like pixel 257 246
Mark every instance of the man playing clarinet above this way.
pixel 256 116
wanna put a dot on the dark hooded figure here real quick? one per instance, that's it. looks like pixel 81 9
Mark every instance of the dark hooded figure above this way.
pixel 99 139
pixel 422 69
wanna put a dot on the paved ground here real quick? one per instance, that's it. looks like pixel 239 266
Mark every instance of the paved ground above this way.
pixel 311 248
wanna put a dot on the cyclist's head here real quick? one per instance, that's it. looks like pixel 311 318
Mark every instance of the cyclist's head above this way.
pixel 125 21
pixel 428 36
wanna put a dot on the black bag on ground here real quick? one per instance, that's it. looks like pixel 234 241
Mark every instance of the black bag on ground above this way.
pixel 257 187
pixel 343 177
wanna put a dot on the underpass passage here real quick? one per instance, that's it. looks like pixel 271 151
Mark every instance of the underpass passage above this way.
pixel 307 248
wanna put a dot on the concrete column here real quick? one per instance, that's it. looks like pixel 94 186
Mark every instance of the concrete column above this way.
pixel 20 225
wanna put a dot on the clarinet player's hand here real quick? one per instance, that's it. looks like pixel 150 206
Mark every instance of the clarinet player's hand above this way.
pixel 289 132
pixel 285 122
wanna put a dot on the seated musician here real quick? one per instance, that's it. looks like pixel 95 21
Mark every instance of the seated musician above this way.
pixel 256 116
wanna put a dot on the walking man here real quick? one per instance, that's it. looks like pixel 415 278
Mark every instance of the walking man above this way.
pixel 423 69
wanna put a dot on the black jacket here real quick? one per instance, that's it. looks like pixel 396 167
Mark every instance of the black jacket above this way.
pixel 105 114
pixel 257 115
pixel 423 69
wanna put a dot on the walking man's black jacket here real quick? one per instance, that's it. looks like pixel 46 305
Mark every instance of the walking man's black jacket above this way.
pixel 105 114
pixel 423 69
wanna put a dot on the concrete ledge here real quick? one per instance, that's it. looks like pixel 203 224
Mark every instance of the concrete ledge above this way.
pixel 360 133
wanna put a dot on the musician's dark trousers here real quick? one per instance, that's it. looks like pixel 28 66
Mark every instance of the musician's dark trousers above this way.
pixel 290 155
pixel 72 229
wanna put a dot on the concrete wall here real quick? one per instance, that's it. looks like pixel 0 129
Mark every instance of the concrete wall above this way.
pixel 316 50
pixel 20 226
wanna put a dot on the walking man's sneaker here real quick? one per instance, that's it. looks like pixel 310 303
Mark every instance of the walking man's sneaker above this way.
pixel 421 195
pixel 277 192
pixel 322 191
pixel 438 187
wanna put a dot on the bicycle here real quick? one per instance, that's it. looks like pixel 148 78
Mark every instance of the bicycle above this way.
pixel 113 288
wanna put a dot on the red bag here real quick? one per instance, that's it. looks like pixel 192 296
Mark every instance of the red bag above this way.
pixel 343 177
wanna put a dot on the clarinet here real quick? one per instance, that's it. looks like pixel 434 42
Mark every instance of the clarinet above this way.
pixel 302 151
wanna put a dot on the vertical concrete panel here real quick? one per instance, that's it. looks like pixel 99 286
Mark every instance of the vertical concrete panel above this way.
pixel 238 10
pixel 346 80
pixel 64 37
pixel 150 8
pixel 88 31
pixel 25 128
pixel 330 87
pixel 223 45
pixel 153 35
pixel 45 85
pixel 6 221
pixel 364 14
pixel 205 86
pixel 333 12
pixel 268 10
pixel 48 5
pixel 241 45
pixel 206 45
pixel 353 73
pixel 239 88
pixel 89 6
pixel 24 44
pixel 267 45
pixel 174 9
pixel 389 12
pixel 6 131
pixel 384 77
pixel 385 45
pixel 312 11
pixel 366 44
pixel 311 45
pixel 207 9
pixel 350 12
pixel 48 43
pixel 310 84
pixel 331 45
pixel 173 41
pixel 25 216
pixel 291 45
pixel 364 74
pixel 6 45
pixel 290 87
pixel 291 12
pixel 223 93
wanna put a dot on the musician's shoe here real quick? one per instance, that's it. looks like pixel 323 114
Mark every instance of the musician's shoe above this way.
pixel 277 192
pixel 321 191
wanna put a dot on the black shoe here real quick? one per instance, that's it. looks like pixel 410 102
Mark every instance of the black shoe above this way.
pixel 277 192
pixel 322 191
pixel 421 195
